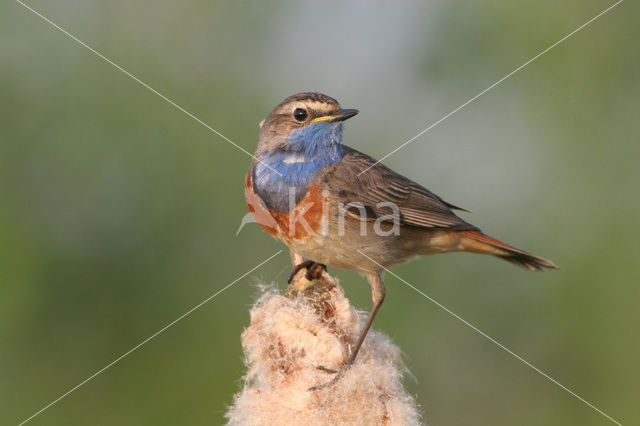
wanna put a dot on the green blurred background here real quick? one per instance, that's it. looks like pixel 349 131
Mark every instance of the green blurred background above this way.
pixel 119 212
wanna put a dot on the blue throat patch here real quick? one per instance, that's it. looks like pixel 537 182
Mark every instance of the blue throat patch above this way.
pixel 310 149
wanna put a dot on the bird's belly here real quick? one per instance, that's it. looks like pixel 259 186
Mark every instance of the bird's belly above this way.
pixel 333 252
pixel 361 247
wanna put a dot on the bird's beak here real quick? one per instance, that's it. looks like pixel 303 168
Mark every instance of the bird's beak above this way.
pixel 341 115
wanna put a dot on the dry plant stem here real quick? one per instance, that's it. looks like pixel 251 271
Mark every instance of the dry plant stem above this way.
pixel 319 289
pixel 313 324
pixel 319 272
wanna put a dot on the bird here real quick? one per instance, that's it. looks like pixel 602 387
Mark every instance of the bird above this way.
pixel 335 206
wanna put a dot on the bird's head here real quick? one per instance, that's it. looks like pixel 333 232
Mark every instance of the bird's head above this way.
pixel 303 123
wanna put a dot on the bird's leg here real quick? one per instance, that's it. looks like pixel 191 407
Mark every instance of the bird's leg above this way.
pixel 295 258
pixel 377 296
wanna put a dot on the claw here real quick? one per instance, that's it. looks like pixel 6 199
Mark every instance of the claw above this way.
pixel 326 370
pixel 329 383
pixel 339 373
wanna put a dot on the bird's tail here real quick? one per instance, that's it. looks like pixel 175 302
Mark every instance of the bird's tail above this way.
pixel 478 242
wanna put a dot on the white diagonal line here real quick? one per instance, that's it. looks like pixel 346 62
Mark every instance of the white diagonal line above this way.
pixel 493 85
pixel 476 329
pixel 148 339
pixel 143 84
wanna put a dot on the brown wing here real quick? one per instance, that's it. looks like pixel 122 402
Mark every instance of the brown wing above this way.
pixel 417 205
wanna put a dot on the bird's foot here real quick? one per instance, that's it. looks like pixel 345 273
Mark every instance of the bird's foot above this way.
pixel 303 265
pixel 338 375
pixel 314 270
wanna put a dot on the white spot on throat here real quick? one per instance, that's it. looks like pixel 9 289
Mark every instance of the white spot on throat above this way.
pixel 294 159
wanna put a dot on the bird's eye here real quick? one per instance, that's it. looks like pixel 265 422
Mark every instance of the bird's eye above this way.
pixel 300 114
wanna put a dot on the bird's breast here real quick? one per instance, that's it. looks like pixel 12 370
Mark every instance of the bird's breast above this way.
pixel 302 221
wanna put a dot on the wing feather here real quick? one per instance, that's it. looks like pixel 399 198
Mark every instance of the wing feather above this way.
pixel 417 205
